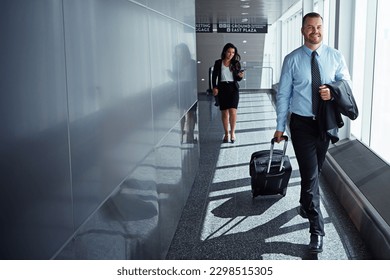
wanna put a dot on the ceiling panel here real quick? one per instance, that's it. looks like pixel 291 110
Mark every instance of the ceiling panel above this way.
pixel 256 11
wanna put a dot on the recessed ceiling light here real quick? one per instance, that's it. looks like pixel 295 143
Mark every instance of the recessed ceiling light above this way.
pixel 244 14
pixel 244 20
pixel 244 41
pixel 245 6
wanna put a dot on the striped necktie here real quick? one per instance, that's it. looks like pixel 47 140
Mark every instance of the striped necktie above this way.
pixel 315 83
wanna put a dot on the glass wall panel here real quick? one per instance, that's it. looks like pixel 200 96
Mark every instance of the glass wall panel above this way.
pixel 381 98
pixel 359 63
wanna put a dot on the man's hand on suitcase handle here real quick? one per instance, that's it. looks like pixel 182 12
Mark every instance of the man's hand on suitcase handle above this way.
pixel 278 136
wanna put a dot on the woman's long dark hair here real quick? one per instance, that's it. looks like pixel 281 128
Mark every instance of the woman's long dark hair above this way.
pixel 236 56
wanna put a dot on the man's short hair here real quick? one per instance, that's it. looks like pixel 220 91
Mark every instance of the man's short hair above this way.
pixel 310 15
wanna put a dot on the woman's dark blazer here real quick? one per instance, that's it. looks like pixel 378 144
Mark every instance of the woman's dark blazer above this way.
pixel 235 65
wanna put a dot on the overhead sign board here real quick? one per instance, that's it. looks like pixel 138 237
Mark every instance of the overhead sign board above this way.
pixel 204 27
pixel 241 28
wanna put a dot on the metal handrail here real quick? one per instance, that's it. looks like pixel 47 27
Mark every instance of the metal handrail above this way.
pixel 260 68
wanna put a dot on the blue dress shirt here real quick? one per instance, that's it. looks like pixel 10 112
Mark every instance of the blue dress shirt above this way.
pixel 294 90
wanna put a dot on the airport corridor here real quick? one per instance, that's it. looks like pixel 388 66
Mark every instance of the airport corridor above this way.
pixel 221 220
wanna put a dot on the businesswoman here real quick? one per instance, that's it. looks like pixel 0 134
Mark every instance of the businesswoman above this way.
pixel 226 74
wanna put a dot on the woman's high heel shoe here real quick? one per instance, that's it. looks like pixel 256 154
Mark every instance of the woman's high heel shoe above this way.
pixel 232 139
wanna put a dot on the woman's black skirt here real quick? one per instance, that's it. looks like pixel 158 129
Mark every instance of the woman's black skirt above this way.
pixel 228 95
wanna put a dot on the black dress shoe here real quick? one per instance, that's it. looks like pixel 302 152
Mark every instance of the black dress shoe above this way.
pixel 225 140
pixel 302 212
pixel 316 243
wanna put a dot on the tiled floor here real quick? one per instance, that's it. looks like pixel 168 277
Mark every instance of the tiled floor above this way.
pixel 222 221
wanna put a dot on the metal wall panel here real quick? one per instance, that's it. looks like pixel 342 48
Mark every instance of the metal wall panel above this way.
pixel 99 142
pixel 109 96
pixel 138 220
pixel 165 94
pixel 185 62
pixel 126 226
pixel 35 199
pixel 183 11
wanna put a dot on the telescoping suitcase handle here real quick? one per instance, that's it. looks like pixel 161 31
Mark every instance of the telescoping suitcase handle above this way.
pixel 285 137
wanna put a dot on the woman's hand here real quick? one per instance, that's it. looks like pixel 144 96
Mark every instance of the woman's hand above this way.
pixel 215 91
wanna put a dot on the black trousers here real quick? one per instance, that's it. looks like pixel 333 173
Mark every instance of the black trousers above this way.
pixel 310 152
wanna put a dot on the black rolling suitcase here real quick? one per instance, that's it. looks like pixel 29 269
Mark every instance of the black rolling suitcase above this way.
pixel 270 171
